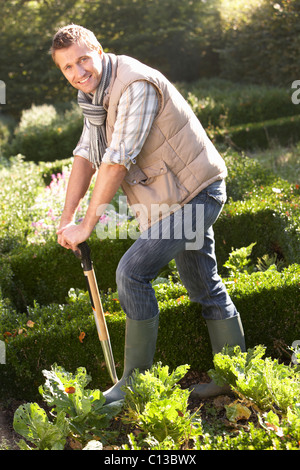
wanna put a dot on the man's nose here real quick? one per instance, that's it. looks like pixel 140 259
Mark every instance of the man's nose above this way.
pixel 80 71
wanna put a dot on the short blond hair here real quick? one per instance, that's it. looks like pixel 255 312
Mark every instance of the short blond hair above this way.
pixel 74 34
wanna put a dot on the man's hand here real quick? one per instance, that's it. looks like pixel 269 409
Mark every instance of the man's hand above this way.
pixel 71 235
pixel 59 233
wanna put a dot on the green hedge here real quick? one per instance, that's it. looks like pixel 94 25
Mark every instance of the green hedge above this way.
pixel 245 175
pixel 284 131
pixel 221 103
pixel 267 301
pixel 261 208
pixel 266 226
pixel 242 115
pixel 270 308
pixel 45 273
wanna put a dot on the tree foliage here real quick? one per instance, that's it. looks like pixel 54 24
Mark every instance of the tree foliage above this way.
pixel 167 34
pixel 254 41
pixel 264 46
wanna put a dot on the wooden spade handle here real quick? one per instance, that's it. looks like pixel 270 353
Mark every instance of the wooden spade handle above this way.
pixel 97 305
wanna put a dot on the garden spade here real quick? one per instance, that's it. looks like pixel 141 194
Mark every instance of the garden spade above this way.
pixel 83 253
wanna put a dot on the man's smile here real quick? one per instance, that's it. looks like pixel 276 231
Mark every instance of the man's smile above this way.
pixel 84 80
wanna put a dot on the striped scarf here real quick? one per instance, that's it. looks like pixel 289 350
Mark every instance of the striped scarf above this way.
pixel 93 110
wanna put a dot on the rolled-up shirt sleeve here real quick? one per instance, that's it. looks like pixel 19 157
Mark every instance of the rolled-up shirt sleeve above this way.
pixel 137 109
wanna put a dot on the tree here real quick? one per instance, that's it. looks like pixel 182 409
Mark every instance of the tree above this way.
pixel 264 47
pixel 174 36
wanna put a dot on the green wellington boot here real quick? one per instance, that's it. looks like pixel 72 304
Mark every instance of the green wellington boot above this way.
pixel 221 332
pixel 140 344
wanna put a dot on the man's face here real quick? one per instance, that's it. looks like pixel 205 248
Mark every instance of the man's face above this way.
pixel 81 66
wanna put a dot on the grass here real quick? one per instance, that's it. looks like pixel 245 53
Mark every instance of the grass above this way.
pixel 284 161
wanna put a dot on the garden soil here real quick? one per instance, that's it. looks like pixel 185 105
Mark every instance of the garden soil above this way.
pixel 8 437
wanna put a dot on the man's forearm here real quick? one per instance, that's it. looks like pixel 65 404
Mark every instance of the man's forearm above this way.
pixel 79 181
pixel 108 181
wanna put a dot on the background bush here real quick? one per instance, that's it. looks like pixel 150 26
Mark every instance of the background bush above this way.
pixel 258 47
pixel 260 135
pixel 44 134
pixel 244 116
pixel 224 103
pixel 241 116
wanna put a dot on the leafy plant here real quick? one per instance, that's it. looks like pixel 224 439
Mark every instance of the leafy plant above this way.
pixel 155 383
pixel 157 404
pixel 266 383
pixel 32 422
pixel 269 262
pixel 156 408
pixel 86 409
pixel 165 418
pixel 239 261
pixel 253 438
pixel 76 411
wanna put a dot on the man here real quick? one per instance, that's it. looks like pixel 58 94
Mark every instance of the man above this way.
pixel 139 133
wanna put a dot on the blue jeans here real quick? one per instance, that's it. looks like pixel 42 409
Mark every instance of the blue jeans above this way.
pixel 196 262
